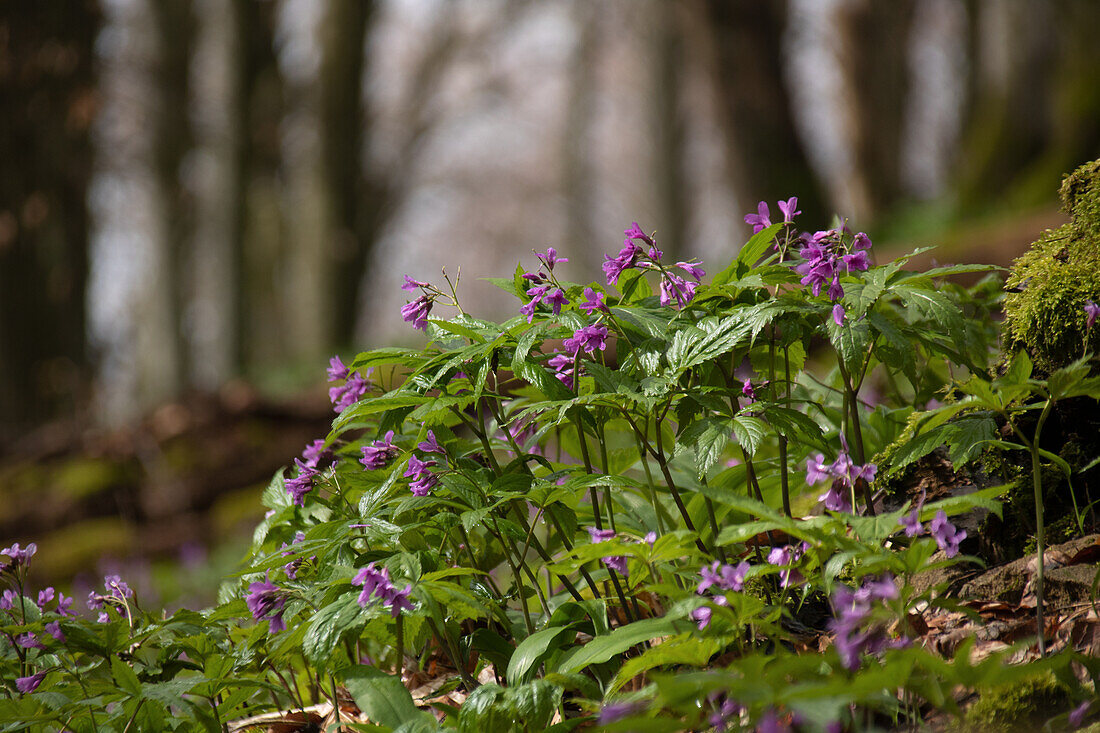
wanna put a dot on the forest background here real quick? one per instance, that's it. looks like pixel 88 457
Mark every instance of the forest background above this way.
pixel 202 200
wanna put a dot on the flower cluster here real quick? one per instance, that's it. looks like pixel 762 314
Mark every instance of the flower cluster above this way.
pixel 377 583
pixel 844 473
pixel 544 288
pixel 353 389
pixel 718 575
pixel 947 536
pixel 423 480
pixel 827 255
pixel 317 459
pixel 611 562
pixel 674 288
pixel 417 311
pixel 761 220
pixel 854 635
pixel 379 453
pixel 18 557
pixel 116 591
pixel 786 557
pixel 587 338
pixel 266 601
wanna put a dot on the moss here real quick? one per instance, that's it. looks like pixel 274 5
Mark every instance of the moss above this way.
pixel 1020 706
pixel 1049 284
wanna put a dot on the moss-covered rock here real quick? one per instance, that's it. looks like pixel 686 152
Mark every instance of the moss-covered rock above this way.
pixel 1020 706
pixel 1049 284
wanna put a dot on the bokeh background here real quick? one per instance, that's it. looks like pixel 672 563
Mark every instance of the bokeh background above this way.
pixel 202 200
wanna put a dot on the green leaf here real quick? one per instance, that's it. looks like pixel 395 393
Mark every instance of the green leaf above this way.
pixel 707 438
pixel 493 647
pixel 479 714
pixel 125 677
pixel 534 703
pixel 329 624
pixel 750 252
pixel 532 650
pixel 749 431
pixel 602 648
pixel 381 696
pixel 634 287
pixel 679 651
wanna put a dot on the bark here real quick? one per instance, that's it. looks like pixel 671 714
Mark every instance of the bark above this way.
pixel 757 116
pixel 47 93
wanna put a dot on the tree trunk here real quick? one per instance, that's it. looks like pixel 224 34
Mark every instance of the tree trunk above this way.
pixel 47 93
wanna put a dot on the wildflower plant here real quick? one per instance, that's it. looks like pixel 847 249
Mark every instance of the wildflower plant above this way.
pixel 606 508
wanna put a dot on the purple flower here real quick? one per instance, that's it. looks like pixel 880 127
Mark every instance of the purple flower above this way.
pixel 1092 310
pixel 692 269
pixel 853 636
pixel 316 454
pixel 379 453
pixel 616 711
pixel 838 314
pixel 593 301
pixel 54 629
pixel 761 219
pixel 301 484
pixel 676 289
pixel 556 300
pixel 947 536
pixel 748 391
pixel 551 257
pixel 7 600
pixel 417 312
pixel 911 522
pixel 788 208
pixel 266 600
pixel 45 596
pixel 1077 715
pixel 27 685
pixel 650 538
pixel 701 616
pixel 377 583
pixel 423 480
pixel 411 284
pixel 28 641
pixel 628 258
pixel 430 445
pixel 346 395
pixel 836 499
pixel 727 577
pixel 535 277
pixel 726 712
pixel 19 556
pixel 816 470
pixel 116 587
pixel 562 364
pixel 635 232
pixel 616 563
pixel 597 536
pixel 336 370
pixel 589 338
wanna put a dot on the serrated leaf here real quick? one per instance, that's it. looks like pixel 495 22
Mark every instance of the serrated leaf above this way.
pixel 749 431
pixel 707 438
pixel 329 624
pixel 747 256
pixel 680 651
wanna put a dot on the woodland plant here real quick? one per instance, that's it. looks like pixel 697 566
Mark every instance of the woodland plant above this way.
pixel 599 512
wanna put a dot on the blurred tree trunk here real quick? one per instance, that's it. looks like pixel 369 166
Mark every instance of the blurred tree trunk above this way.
pixel 876 72
pixel 577 169
pixel 342 121
pixel 219 75
pixel 160 349
pixel 758 118
pixel 668 128
pixel 47 94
